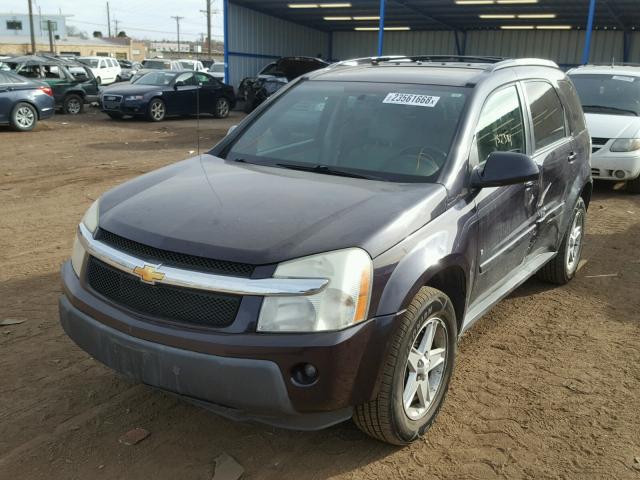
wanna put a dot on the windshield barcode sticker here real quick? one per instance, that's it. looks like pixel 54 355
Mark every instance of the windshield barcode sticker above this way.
pixel 622 78
pixel 411 99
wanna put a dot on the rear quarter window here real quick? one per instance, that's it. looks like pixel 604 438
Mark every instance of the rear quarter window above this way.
pixel 574 108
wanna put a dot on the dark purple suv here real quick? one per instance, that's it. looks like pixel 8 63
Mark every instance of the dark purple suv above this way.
pixel 321 262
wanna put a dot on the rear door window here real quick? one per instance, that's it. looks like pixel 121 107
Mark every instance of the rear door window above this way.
pixel 547 113
pixel 501 125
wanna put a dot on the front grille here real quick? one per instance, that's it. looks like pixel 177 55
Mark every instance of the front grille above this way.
pixel 599 141
pixel 175 259
pixel 163 302
pixel 595 172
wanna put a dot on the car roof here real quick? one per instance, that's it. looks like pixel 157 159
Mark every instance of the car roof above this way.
pixel 633 70
pixel 436 70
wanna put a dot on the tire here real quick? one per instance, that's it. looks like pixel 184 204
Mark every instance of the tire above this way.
pixel 386 418
pixel 222 108
pixel 24 117
pixel 156 111
pixel 73 104
pixel 633 186
pixel 115 115
pixel 562 268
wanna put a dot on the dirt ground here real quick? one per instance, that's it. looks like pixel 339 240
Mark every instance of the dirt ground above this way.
pixel 547 385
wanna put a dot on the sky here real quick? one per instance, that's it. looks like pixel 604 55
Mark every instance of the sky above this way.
pixel 143 19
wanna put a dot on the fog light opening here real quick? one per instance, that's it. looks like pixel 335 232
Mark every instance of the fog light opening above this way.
pixel 304 375
pixel 619 174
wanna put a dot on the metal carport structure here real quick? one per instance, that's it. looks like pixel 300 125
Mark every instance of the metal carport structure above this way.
pixel 569 32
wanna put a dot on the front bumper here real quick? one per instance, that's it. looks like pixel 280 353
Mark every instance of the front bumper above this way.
pixel 244 376
pixel 605 164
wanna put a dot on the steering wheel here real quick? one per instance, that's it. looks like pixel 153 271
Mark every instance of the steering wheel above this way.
pixel 425 160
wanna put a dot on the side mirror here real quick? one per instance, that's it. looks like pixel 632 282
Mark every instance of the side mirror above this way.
pixel 504 168
pixel 231 129
pixel 177 85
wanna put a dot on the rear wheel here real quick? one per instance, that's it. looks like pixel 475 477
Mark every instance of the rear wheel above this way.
pixel 156 111
pixel 416 372
pixel 562 268
pixel 633 186
pixel 223 106
pixel 73 104
pixel 24 117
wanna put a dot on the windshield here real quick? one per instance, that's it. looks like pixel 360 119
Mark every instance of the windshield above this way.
pixel 156 78
pixel 217 67
pixel 393 131
pixel 156 64
pixel 92 62
pixel 606 93
pixel 187 65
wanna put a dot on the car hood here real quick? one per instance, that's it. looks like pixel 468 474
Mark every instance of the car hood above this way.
pixel 254 214
pixel 293 67
pixel 612 126
pixel 130 89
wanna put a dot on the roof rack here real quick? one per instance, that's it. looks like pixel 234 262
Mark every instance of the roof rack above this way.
pixel 492 63
pixel 612 64
pixel 523 62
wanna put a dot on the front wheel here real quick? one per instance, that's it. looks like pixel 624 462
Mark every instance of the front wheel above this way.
pixel 416 372
pixel 157 110
pixel 24 117
pixel 562 268
pixel 223 106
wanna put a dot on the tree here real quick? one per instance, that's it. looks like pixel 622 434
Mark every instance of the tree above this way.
pixel 97 34
pixel 122 34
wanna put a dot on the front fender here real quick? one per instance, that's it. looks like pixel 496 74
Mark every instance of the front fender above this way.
pixel 447 241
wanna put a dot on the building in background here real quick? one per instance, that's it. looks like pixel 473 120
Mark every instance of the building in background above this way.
pixel 15 39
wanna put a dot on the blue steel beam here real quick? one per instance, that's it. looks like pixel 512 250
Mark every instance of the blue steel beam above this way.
pixel 588 33
pixel 225 27
pixel 381 29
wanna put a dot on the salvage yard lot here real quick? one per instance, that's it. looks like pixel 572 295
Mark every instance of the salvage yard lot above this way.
pixel 546 385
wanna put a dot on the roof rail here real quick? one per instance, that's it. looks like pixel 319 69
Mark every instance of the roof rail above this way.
pixel 523 62
pixel 610 64
pixel 419 59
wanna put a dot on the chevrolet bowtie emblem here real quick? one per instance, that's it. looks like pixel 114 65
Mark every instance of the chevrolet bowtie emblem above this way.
pixel 148 274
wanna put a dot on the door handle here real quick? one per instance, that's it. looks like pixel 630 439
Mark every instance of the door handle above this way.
pixel 572 156
pixel 530 185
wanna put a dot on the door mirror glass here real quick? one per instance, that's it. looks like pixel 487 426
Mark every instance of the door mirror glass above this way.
pixel 504 168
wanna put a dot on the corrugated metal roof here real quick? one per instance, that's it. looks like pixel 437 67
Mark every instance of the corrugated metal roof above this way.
pixel 439 14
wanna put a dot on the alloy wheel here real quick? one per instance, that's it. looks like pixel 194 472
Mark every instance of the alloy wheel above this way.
pixel 25 117
pixel 223 108
pixel 424 371
pixel 574 243
pixel 157 110
pixel 73 106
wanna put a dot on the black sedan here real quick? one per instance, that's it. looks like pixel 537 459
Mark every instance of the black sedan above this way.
pixel 163 93
pixel 23 102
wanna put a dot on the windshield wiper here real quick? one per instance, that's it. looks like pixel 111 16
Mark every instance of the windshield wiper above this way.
pixel 326 169
pixel 615 109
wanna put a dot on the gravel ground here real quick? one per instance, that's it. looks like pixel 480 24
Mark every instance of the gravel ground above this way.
pixel 547 385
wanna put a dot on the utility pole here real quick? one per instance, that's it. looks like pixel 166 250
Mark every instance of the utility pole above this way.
pixel 108 20
pixel 49 27
pixel 178 29
pixel 209 28
pixel 33 35
pixel 115 22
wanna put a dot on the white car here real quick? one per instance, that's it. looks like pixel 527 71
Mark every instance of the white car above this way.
pixel 195 65
pixel 610 97
pixel 217 70
pixel 106 70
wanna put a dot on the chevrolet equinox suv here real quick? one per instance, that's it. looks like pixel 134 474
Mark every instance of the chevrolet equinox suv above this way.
pixel 322 260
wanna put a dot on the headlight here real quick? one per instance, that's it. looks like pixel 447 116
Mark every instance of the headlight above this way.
pixel 626 145
pixel 90 218
pixel 134 97
pixel 77 256
pixel 343 302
